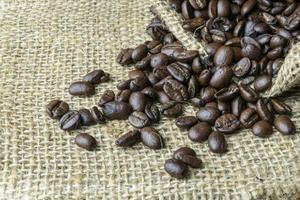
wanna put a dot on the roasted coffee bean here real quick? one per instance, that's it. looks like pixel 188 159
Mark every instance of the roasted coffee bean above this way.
pixel 123 85
pixel 138 119
pixel 261 28
pixel 97 115
pixel 280 107
pixel 284 125
pixel 262 129
pixel 176 5
pixel 224 107
pixel 277 41
pixel 143 64
pixel 242 67
pixel 178 154
pixel 163 97
pixel 237 106
pixel 171 109
pixel 227 123
pixel 123 95
pixel 139 53
pixel 248 93
pixel 173 49
pixel 192 161
pixel 263 111
pixel 152 113
pixel 161 72
pixel 238 29
pixel 150 92
pixel 251 51
pixel 207 94
pixel 223 56
pixel 227 94
pixel 204 78
pixel 193 86
pixel 94 77
pixel 199 132
pixel 151 138
pixel 175 90
pixel 169 38
pixel 234 42
pixel 192 24
pixel 262 83
pixel 86 117
pixel 275 53
pixel 138 101
pixel 81 88
pixel 136 73
pixel 187 10
pixel 86 141
pixel 154 47
pixel 217 142
pixel 138 84
pixel 156 29
pixel 186 122
pixel 106 97
pixel 70 121
pixel 159 60
pixel 129 139
pixel 176 168
pixel 57 108
pixel 186 56
pixel 249 117
pixel 212 104
pixel 124 57
pixel 212 48
pixel 197 65
pixel 197 102
pixel 221 78
pixel 105 78
pixel 208 114
pixel 179 72
pixel 223 8
pixel 212 8
pixel 115 110
pixel 159 85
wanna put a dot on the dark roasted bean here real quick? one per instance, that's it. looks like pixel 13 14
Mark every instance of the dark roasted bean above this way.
pixel 284 125
pixel 249 117
pixel 175 90
pixel 97 115
pixel 186 56
pixel 152 113
pixel 186 122
pixel 199 132
pixel 86 141
pixel 262 83
pixel 124 57
pixel 129 139
pixel 117 110
pixel 263 111
pixel 227 94
pixel 223 56
pixel 81 88
pixel 151 138
pixel 208 114
pixel 143 64
pixel 178 72
pixel 248 93
pixel 171 109
pixel 262 129
pixel 138 119
pixel 187 10
pixel 86 117
pixel 57 108
pixel 217 142
pixel 176 168
pixel 227 123
pixel 123 95
pixel 280 107
pixel 150 92
pixel 204 78
pixel 221 78
pixel 94 77
pixel 237 106
pixel 106 97
pixel 224 107
pixel 70 121
pixel 242 67
pixel 138 101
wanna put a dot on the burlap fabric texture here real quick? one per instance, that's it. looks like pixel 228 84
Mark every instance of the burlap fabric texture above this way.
pixel 46 45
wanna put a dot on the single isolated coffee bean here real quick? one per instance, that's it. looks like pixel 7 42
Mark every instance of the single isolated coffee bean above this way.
pixel 227 123
pixel 97 115
pixel 284 125
pixel 129 139
pixel 171 109
pixel 262 129
pixel 94 77
pixel 70 121
pixel 57 108
pixel 115 110
pixel 138 119
pixel 199 132
pixel 86 141
pixel 217 142
pixel 208 114
pixel 82 88
pixel 186 122
pixel 176 168
pixel 151 138
pixel 106 97
pixel 86 117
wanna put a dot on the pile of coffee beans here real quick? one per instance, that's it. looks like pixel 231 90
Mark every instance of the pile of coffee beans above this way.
pixel 246 44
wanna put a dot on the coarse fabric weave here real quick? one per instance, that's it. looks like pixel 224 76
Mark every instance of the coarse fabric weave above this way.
pixel 47 44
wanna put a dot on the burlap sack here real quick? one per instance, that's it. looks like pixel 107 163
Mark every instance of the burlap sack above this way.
pixel 46 45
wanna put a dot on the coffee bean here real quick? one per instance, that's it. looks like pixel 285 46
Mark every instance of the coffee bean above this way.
pixel 227 94
pixel 176 168
pixel 217 142
pixel 275 53
pixel 123 85
pixel 151 138
pixel 159 60
pixel 57 108
pixel 223 56
pixel 97 115
pixel 86 141
pixel 138 84
pixel 161 72
pixel 197 102
pixel 176 5
pixel 159 85
pixel 262 129
pixel 138 119
pixel 238 29
pixel 152 113
pixel 212 104
pixel 163 97
pixel 154 47
pixel 81 88
pixel 248 93
pixel 106 97
pixel 143 64
pixel 192 24
pixel 242 67
pixel 136 73
pixel 284 125
pixel 178 154
pixel 247 7
pixel 70 121
pixel 262 83
pixel 186 122
pixel 251 51
pixel 187 10
pixel 169 38
pixel 94 77
pixel 175 90
pixel 86 117
pixel 237 106
pixel 199 132
pixel 208 114
pixel 123 95
pixel 138 101
pixel 221 78
pixel 171 109
pixel 179 72
pixel 171 50
pixel 280 107
pixel 186 56
pixel 249 117
pixel 224 107
pixel 227 123
pixel 223 8
pixel 212 8
pixel 117 110
pixel 204 78
pixel 139 53
pixel 192 161
pixel 124 57
pixel 263 111
pixel 150 93
pixel 212 48
pixel 197 65
pixel 193 86
pixel 277 41
pixel 129 139
pixel 207 94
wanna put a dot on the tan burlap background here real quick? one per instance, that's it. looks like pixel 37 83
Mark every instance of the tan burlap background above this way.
pixel 46 45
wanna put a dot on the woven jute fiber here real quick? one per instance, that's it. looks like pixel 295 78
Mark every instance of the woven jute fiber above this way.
pixel 46 45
